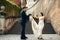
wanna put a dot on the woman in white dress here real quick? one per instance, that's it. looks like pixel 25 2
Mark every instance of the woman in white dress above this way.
pixel 37 28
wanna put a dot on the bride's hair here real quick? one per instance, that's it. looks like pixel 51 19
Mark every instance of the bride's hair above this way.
pixel 42 14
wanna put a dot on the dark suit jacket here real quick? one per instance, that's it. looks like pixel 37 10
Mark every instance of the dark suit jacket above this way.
pixel 23 17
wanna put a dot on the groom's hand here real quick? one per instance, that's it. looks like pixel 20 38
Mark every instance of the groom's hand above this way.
pixel 30 18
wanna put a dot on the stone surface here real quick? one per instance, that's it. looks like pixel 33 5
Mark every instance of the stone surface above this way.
pixel 30 37
pixel 56 21
pixel 51 10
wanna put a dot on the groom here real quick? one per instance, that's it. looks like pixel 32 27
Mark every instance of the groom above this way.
pixel 24 19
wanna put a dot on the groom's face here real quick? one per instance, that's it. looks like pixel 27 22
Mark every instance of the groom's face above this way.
pixel 25 9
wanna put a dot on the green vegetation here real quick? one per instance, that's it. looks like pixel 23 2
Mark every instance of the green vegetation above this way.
pixel 11 8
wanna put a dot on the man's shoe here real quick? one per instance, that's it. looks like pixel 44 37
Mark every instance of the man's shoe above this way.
pixel 26 37
pixel 23 37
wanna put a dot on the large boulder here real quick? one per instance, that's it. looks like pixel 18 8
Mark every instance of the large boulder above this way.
pixel 51 11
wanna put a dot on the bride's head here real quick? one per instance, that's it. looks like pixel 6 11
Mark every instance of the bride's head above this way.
pixel 40 14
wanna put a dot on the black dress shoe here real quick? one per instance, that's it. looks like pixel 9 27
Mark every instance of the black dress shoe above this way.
pixel 40 38
pixel 23 37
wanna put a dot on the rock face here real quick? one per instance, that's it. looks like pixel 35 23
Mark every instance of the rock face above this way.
pixel 23 3
pixel 51 11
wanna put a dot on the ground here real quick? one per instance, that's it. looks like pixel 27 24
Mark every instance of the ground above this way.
pixel 30 37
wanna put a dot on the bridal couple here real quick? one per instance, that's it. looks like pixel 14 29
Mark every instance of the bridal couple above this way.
pixel 37 28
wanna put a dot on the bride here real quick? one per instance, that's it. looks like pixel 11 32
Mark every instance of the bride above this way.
pixel 37 28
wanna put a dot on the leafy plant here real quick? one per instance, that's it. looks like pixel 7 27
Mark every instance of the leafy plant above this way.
pixel 11 8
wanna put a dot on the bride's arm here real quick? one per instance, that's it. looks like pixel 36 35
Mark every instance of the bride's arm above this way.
pixel 42 17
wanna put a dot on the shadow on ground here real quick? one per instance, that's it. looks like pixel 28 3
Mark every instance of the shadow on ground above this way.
pixel 16 29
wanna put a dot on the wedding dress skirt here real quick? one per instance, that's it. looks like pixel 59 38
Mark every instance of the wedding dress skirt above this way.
pixel 37 28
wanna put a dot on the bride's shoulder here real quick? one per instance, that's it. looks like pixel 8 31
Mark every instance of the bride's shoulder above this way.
pixel 42 17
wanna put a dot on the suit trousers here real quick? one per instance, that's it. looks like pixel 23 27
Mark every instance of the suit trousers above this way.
pixel 23 29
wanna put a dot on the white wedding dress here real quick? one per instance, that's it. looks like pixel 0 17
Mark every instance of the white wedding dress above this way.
pixel 37 28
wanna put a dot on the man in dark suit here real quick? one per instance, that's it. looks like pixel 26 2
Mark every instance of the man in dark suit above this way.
pixel 24 19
